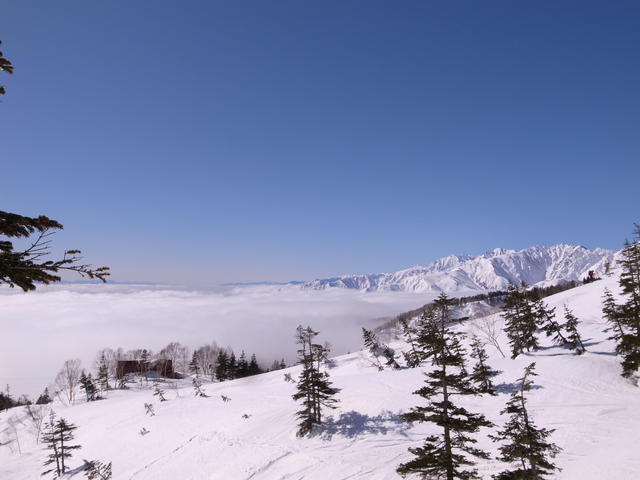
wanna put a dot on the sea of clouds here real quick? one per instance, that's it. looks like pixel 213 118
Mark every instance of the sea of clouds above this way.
pixel 40 330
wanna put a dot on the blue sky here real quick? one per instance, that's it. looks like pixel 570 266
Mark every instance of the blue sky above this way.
pixel 206 142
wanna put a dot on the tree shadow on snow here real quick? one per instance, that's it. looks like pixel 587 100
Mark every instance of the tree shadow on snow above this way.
pixel 351 424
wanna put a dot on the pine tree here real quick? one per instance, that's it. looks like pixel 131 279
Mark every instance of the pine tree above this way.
pixel 371 343
pixel 158 392
pixel 194 365
pixel 253 367
pixel 521 320
pixel 447 455
pixel 628 314
pixel 574 340
pixel 610 311
pixel 145 358
pixel 377 349
pixel 90 390
pixel 549 325
pixel 56 437
pixel 243 365
pixel 482 373
pixel 314 387
pixel 95 470
pixel 44 398
pixel 282 365
pixel 103 374
pixel 412 357
pixel 390 356
pixel 222 366
pixel 232 367
pixel 524 445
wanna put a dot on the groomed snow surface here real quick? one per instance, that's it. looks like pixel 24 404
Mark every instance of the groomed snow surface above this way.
pixel 596 414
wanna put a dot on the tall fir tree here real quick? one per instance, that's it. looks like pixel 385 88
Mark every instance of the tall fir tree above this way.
pixel 412 357
pixel 56 437
pixel 523 444
pixel 232 367
pixel 373 346
pixel 103 373
pixel 446 455
pixel 610 312
pixel 313 387
pixel 628 313
pixel 194 364
pixel 90 390
pixel 549 325
pixel 243 365
pixel 482 372
pixel 222 366
pixel 574 340
pixel 253 368
pixel 521 320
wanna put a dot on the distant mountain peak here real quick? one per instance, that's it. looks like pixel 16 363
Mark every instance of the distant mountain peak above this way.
pixel 492 270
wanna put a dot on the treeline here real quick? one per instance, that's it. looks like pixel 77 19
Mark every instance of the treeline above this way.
pixel 495 298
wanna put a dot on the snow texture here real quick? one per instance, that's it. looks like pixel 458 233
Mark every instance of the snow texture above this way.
pixel 596 414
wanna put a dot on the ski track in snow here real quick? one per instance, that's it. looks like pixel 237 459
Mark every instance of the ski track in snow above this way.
pixel 594 411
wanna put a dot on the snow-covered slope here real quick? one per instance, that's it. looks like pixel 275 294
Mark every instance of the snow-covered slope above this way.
pixel 490 271
pixel 596 414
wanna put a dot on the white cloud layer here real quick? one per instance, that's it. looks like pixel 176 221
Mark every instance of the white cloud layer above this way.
pixel 39 330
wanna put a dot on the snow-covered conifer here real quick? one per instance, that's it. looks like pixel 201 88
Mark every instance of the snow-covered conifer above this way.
pixel 523 445
pixel 447 455
pixel 482 373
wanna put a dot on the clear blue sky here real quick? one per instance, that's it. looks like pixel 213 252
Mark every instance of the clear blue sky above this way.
pixel 204 142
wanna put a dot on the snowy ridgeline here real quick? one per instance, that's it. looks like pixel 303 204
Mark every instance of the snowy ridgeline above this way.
pixel 251 433
pixel 493 270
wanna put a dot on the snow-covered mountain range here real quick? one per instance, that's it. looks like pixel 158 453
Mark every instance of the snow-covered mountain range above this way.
pixel 492 270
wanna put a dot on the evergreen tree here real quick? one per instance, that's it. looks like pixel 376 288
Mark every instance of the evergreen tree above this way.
pixel 232 367
pixel 371 343
pixel 376 349
pixel 44 398
pixel 194 365
pixel 390 356
pixel 158 392
pixel 574 340
pixel 90 390
pixel 412 357
pixel 314 387
pixel 145 361
pixel 282 364
pixel 243 365
pixel 253 367
pixel 610 311
pixel 549 325
pixel 103 373
pixel 521 320
pixel 524 445
pixel 628 313
pixel 222 366
pixel 482 373
pixel 95 470
pixel 444 456
pixel 56 437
